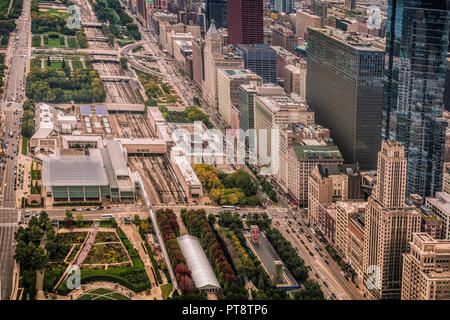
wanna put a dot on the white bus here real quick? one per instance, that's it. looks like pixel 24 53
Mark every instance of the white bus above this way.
pixel 107 216
pixel 229 207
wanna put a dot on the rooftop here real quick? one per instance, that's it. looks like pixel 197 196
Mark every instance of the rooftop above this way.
pixel 86 170
pixel 305 152
pixel 197 262
pixel 352 40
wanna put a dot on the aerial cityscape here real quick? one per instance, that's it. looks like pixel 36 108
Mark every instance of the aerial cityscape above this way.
pixel 224 150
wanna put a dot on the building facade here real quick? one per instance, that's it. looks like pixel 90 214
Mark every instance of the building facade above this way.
pixel 415 72
pixel 345 90
pixel 440 206
pixel 246 22
pixel 389 225
pixel 426 269
pixel 260 59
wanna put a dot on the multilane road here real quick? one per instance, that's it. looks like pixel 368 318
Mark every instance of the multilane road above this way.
pixel 14 94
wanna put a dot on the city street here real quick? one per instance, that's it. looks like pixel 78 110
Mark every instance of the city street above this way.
pixel 14 95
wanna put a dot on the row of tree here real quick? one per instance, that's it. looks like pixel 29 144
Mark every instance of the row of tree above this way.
pixel 198 226
pixel 170 229
pixel 29 108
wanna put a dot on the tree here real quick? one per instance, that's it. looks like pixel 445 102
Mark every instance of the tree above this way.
pixel 68 220
pixel 124 63
pixel 312 291
pixel 79 219
pixel 211 219
pixel 136 220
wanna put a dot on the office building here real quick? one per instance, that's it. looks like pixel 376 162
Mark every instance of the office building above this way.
pixel 350 216
pixel 228 82
pixel 389 225
pixel 329 183
pixel 440 206
pixel 350 4
pixel 217 56
pixel 414 88
pixel 345 90
pixel 319 8
pixel 295 79
pixel 305 20
pixel 426 269
pixel 216 10
pixel 247 93
pixel 260 59
pixel 286 6
pixel 245 22
pixel 446 178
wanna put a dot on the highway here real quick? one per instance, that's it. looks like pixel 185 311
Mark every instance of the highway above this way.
pixel 19 52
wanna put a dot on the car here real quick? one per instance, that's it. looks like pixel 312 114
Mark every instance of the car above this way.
pixel 326 261
pixel 108 207
pixel 73 209
pixel 80 209
pixel 333 295
pixel 325 284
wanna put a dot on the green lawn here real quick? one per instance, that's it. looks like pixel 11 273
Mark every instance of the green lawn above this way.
pixel 24 145
pixel 36 40
pixel 56 64
pixel 166 289
pixel 77 64
pixel 72 42
pixel 4 4
pixel 36 63
pixel 54 43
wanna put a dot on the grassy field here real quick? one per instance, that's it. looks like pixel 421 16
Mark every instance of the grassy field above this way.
pixel 102 294
pixel 72 42
pixel 55 43
pixel 166 289
pixel 56 64
pixel 36 64
pixel 36 40
pixel 77 64
pixel 53 11
pixel 4 5
pixel 24 145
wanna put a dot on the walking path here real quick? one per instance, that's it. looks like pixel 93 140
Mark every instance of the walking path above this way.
pixel 87 245
pixel 136 240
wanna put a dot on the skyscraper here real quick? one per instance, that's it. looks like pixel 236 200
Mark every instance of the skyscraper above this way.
pixel 260 59
pixel 416 49
pixel 345 90
pixel 217 10
pixel 286 6
pixel 246 21
pixel 389 224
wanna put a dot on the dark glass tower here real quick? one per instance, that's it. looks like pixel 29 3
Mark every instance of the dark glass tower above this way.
pixel 217 10
pixel 416 50
pixel 246 22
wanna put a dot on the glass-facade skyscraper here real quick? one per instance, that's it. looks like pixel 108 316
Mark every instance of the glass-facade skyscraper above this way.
pixel 416 50
pixel 217 10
